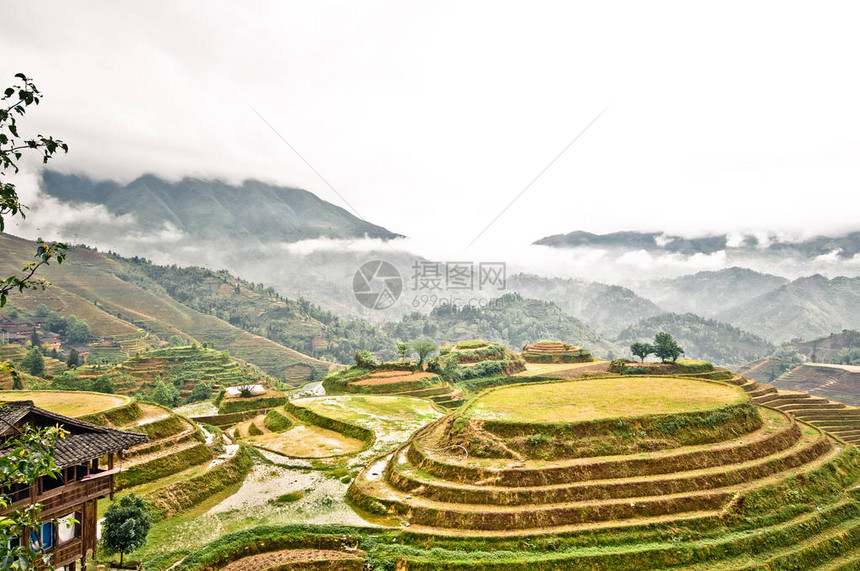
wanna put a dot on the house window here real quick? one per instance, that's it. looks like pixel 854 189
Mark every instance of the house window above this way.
pixel 42 538
pixel 47 535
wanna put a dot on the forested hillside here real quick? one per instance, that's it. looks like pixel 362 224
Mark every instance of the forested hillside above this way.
pixel 701 338
pixel 510 319
pixel 605 308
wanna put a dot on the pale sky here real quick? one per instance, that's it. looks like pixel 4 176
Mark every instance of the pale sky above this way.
pixel 429 117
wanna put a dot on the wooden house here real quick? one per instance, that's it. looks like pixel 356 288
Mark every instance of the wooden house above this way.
pixel 85 459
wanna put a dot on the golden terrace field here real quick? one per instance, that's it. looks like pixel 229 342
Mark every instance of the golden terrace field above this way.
pixel 66 403
pixel 595 399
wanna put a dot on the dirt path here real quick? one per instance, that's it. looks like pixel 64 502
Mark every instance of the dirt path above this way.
pixel 279 558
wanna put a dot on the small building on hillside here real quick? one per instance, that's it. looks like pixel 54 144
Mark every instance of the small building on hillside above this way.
pixel 50 340
pixel 70 500
pixel 15 331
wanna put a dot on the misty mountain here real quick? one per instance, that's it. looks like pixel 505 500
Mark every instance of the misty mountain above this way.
pixel 636 241
pixel 805 308
pixel 845 246
pixel 254 212
pixel 710 293
pixel 510 319
pixel 605 308
pixel 701 338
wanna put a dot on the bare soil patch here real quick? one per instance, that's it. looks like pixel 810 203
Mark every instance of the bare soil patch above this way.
pixel 389 377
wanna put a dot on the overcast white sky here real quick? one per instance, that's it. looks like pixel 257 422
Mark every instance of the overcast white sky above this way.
pixel 430 117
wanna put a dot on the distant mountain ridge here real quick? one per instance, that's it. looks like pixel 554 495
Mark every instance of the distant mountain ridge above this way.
pixel 846 246
pixel 710 293
pixel 805 308
pixel 212 209
pixel 606 308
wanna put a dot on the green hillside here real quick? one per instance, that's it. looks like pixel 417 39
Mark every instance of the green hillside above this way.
pixel 212 209
pixel 295 323
pixel 702 338
pixel 92 281
pixel 806 308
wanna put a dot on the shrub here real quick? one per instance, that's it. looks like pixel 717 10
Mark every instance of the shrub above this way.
pixel 165 394
pixel 276 422
pixel 33 362
pixel 365 359
pixel 104 384
pixel 201 391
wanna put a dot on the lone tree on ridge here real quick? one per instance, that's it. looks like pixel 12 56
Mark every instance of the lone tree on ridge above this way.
pixel 666 347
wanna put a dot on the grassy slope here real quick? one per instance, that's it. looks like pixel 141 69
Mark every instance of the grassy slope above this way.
pixel 92 276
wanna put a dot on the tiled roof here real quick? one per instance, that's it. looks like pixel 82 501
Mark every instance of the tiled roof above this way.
pixel 80 448
pixel 86 442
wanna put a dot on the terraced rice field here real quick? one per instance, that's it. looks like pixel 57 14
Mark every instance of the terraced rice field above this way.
pixel 67 403
pixel 438 489
pixel 761 491
pixel 592 399
pixel 302 440
pixel 391 418
pixel 295 558
pixel 562 370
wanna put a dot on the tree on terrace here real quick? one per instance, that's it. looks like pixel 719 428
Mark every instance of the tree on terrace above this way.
pixel 126 526
pixel 424 349
pixel 642 350
pixel 666 347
